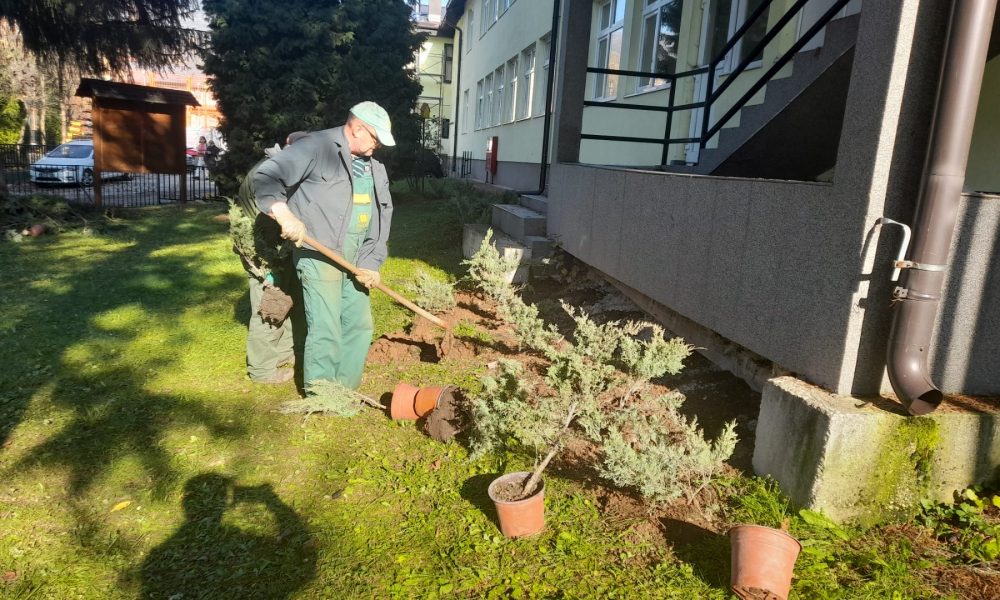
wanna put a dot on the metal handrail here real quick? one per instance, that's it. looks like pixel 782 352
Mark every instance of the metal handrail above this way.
pixel 712 94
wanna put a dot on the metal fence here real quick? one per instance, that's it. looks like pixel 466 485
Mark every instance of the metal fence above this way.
pixel 466 165
pixel 74 180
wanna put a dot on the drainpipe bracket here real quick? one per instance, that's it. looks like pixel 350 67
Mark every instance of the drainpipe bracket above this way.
pixel 909 264
pixel 902 293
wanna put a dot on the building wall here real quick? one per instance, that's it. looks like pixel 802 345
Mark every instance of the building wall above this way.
pixel 436 92
pixel 799 272
pixel 524 24
pixel 983 173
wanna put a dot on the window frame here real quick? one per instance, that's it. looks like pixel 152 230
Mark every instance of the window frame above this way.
pixel 448 63
pixel 651 9
pixel 499 83
pixel 605 33
pixel 525 103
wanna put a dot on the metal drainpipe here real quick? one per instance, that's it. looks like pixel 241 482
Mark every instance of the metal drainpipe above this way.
pixel 458 94
pixel 549 84
pixel 944 174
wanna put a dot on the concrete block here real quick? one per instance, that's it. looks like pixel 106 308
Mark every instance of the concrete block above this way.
pixel 473 236
pixel 539 204
pixel 541 247
pixel 518 221
pixel 855 461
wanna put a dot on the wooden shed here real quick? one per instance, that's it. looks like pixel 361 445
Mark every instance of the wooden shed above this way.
pixel 137 129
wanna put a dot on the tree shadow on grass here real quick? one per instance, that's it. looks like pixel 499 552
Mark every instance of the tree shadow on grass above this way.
pixel 266 551
pixel 707 552
pixel 114 419
pixel 90 321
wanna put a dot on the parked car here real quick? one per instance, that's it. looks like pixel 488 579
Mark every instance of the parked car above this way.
pixel 72 162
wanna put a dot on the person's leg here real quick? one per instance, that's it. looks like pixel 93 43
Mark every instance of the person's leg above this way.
pixel 264 352
pixel 321 294
pixel 357 327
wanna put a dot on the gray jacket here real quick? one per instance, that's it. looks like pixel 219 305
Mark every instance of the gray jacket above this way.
pixel 317 172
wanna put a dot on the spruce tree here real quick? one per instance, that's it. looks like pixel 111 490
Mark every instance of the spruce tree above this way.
pixel 104 35
pixel 301 65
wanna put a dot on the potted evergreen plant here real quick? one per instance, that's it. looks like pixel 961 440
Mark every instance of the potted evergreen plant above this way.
pixel 582 391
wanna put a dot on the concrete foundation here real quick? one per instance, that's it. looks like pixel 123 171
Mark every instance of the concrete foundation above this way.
pixel 473 236
pixel 866 463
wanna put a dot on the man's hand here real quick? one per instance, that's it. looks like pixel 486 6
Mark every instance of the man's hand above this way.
pixel 292 228
pixel 369 279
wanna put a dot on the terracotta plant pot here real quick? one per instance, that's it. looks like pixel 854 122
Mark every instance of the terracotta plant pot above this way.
pixel 520 518
pixel 411 403
pixel 402 406
pixel 429 398
pixel 763 560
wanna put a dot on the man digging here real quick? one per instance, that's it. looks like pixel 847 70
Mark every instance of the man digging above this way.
pixel 267 261
pixel 328 187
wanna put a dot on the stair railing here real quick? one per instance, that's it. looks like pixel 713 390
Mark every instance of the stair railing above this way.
pixel 712 94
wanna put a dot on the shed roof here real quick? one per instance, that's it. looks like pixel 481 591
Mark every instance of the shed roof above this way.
pixel 98 88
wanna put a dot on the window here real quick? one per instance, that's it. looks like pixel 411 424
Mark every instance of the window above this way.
pixel 543 81
pixel 445 128
pixel 498 82
pixel 510 92
pixel 449 60
pixel 661 22
pixel 611 17
pixel 465 111
pixel 527 80
pixel 424 10
pixel 480 103
pixel 489 6
pixel 724 19
pixel 488 101
pixel 471 30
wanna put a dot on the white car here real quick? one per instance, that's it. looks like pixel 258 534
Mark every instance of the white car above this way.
pixel 72 162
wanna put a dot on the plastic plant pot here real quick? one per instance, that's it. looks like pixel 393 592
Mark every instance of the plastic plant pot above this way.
pixel 519 518
pixel 429 398
pixel 763 561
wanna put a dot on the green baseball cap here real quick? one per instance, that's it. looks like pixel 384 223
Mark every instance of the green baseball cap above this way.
pixel 374 115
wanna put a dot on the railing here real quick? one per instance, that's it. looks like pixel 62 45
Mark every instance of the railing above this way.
pixel 712 94
pixel 466 165
pixel 74 182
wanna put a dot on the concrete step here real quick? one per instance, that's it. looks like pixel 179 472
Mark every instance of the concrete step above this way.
pixel 539 204
pixel 472 238
pixel 518 222
pixel 541 247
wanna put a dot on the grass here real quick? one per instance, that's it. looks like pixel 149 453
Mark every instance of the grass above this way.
pixel 137 460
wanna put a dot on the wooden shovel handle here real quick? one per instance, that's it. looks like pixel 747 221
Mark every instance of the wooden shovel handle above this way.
pixel 340 260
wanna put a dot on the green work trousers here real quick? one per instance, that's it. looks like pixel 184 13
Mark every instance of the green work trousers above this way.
pixel 268 345
pixel 339 322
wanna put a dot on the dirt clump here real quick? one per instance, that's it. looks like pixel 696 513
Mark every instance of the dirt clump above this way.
pixel 448 419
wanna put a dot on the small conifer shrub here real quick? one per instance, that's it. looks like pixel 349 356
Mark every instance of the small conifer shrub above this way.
pixel 647 445
pixel 433 295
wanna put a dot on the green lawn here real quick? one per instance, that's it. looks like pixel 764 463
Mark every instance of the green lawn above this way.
pixel 138 461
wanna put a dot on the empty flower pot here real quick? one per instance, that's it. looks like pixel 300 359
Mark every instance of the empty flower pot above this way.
pixel 429 398
pixel 411 403
pixel 763 561
pixel 403 397
pixel 519 518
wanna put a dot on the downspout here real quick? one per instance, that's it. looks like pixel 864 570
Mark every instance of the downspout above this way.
pixel 543 172
pixel 937 210
pixel 458 94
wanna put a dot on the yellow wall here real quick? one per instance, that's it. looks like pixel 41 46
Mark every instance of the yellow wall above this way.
pixel 437 94
pixel 983 172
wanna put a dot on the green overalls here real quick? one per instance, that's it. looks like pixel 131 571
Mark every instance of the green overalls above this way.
pixel 339 322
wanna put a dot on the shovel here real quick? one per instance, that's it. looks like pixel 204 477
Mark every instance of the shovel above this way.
pixel 446 342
